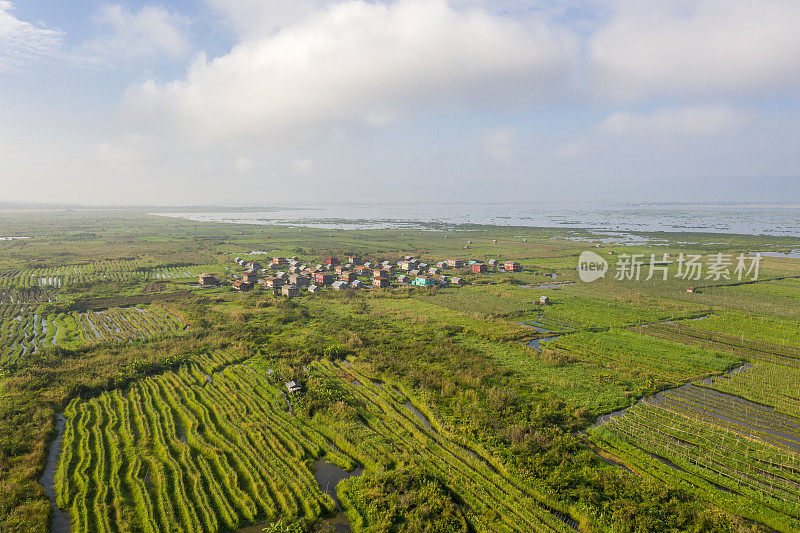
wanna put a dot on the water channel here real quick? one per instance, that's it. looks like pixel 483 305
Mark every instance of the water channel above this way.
pixel 59 520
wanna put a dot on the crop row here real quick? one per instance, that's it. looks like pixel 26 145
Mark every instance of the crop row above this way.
pixel 718 441
pixel 766 383
pixel 123 324
pixel 27 329
pixel 57 276
pixel 27 296
pixel 101 271
pixel 175 273
pixel 215 361
pixel 23 329
pixel 199 449
pixel 390 431
pixel 749 467
pixel 743 347
pixel 180 452
pixel 749 419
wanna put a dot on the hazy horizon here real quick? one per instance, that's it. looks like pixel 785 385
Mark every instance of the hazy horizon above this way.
pixel 708 191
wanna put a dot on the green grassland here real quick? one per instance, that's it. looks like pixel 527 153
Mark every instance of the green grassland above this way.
pixel 771 384
pixel 761 328
pixel 653 359
pixel 178 419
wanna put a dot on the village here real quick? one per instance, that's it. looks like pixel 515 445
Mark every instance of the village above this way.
pixel 290 277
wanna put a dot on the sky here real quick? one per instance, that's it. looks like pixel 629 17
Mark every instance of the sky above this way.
pixel 251 102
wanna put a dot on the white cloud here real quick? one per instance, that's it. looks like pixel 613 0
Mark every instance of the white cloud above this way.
pixel 20 41
pixel 697 47
pixel 708 120
pixel 570 149
pixel 499 143
pixel 150 32
pixel 245 164
pixel 303 166
pixel 355 62
pixel 394 93
pixel 259 18
pixel 259 163
pixel 380 118
pixel 130 149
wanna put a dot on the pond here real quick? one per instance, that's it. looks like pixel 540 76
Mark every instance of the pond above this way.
pixel 537 343
pixel 327 475
pixel 538 326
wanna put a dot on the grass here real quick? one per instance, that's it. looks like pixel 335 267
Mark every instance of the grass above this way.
pixel 478 301
pixel 589 386
pixel 412 309
pixel 644 358
pixel 153 445
pixel 762 328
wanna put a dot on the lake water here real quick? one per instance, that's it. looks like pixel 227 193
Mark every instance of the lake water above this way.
pixel 781 220
pixel 795 254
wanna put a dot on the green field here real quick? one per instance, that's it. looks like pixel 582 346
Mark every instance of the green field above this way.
pixel 742 454
pixel 178 451
pixel 468 408
pixel 27 329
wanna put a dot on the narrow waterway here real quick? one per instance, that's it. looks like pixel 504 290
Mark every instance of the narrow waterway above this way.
pixel 59 520
pixel 422 418
pixel 549 285
pixel 328 475
pixel 539 328
pixel 94 329
pixel 537 343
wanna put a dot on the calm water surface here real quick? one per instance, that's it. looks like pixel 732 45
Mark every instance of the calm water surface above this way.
pixel 754 220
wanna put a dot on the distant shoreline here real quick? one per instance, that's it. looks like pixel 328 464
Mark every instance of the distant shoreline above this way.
pixel 670 218
pixel 280 206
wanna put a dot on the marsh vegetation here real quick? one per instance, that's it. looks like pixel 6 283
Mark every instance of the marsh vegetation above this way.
pixel 176 413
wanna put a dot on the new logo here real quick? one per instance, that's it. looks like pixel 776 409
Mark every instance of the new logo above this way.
pixel 591 266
